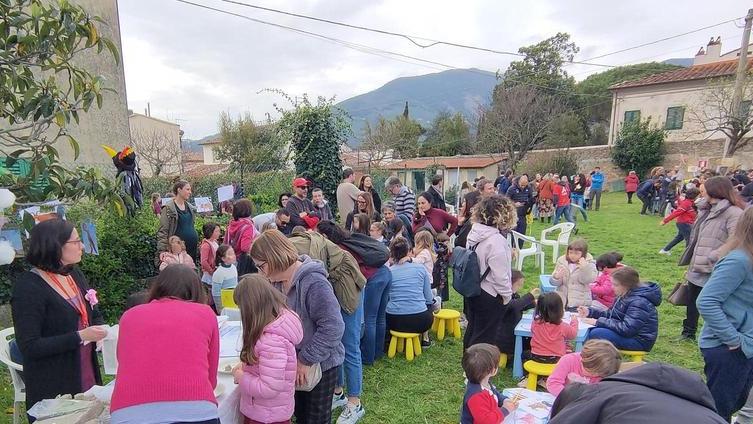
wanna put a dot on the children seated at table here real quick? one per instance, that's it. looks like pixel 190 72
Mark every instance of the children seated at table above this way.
pixel 482 402
pixel 176 255
pixel 266 375
pixel 549 332
pixel 598 359
pixel 514 312
pixel 226 275
pixel 573 275
pixel 601 289
pixel 633 322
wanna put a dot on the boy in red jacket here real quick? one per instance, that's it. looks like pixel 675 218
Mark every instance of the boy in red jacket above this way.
pixel 483 403
pixel 685 214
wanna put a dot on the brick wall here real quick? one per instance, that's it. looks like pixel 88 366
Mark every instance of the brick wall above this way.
pixel 691 150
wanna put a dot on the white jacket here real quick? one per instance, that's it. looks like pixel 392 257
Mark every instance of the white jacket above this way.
pixel 494 252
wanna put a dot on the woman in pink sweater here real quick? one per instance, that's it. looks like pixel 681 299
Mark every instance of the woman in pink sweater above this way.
pixel 599 359
pixel 267 371
pixel 168 352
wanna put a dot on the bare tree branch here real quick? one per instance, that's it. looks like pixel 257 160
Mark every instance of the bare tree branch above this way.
pixel 158 149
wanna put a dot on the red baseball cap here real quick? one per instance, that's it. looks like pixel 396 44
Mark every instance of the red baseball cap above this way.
pixel 300 182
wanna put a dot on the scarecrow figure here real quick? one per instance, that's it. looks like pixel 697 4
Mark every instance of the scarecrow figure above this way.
pixel 125 163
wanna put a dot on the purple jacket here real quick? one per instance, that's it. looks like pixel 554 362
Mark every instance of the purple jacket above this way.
pixel 268 386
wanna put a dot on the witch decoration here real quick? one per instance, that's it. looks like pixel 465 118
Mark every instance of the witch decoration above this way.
pixel 131 190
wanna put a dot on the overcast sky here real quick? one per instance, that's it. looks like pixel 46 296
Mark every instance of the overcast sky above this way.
pixel 193 63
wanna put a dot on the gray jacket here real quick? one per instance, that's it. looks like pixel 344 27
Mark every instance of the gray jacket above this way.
pixel 713 227
pixel 312 298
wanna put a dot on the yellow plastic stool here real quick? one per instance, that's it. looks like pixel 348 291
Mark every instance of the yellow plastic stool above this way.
pixel 503 360
pixel 536 369
pixel 635 355
pixel 409 342
pixel 448 319
pixel 227 298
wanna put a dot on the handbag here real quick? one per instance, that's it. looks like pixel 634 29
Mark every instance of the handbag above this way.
pixel 679 294
pixel 312 379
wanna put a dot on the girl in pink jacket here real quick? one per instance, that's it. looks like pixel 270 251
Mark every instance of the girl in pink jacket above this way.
pixel 602 290
pixel 267 372
pixel 599 359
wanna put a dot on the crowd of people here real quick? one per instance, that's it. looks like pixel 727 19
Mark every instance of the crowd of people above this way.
pixel 318 299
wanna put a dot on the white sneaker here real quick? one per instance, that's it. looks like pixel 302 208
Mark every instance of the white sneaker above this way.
pixel 338 401
pixel 351 414
pixel 665 252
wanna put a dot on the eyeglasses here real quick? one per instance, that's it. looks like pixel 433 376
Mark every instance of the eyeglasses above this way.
pixel 77 241
pixel 260 266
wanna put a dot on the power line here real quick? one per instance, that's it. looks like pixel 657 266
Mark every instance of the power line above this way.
pixel 661 39
pixel 379 52
pixel 411 38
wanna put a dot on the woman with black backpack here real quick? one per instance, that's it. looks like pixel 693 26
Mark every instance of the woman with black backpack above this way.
pixel 492 218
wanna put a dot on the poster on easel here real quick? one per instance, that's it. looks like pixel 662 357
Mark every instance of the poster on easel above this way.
pixel 89 237
pixel 13 236
pixel 203 204
pixel 224 193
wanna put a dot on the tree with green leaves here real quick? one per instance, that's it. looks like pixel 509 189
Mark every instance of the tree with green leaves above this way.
pixel 316 132
pixel 42 91
pixel 542 67
pixel 392 138
pixel 248 146
pixel 449 135
pixel 639 146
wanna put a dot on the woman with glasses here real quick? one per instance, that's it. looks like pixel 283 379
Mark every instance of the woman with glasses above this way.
pixel 57 324
pixel 364 205
pixel 310 295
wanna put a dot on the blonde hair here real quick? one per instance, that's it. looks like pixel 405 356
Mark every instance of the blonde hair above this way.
pixel 175 239
pixel 260 304
pixel 495 211
pixel 273 248
pixel 600 358
pixel 424 240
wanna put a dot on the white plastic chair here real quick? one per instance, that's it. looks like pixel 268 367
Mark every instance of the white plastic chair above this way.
pixel 534 250
pixel 18 385
pixel 563 238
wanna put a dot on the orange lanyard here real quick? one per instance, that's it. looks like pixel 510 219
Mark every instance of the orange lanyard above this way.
pixel 69 293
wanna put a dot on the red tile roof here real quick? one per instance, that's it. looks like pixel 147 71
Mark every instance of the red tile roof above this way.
pixel 188 156
pixel 707 70
pixel 198 171
pixel 470 161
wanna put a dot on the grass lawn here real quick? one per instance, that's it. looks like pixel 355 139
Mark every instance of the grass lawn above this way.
pixel 430 389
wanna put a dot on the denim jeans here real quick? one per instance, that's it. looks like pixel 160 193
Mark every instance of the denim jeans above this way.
pixel 683 233
pixel 375 318
pixel 577 199
pixel 351 372
pixel 563 210
pixel 729 376
pixel 574 209
pixel 618 341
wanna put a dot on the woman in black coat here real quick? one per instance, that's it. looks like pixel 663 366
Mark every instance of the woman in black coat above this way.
pixel 56 323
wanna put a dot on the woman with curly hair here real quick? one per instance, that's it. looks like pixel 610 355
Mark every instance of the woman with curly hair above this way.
pixel 493 217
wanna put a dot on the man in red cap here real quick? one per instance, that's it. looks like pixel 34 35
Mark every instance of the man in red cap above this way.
pixel 299 206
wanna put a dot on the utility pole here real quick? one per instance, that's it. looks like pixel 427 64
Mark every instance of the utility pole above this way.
pixel 742 67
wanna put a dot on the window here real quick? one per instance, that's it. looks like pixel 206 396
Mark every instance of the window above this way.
pixel 419 179
pixel 632 115
pixel 471 173
pixel 675 116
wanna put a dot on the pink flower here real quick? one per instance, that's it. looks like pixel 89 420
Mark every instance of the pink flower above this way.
pixel 91 296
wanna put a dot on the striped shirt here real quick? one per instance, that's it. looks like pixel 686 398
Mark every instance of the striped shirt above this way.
pixel 405 203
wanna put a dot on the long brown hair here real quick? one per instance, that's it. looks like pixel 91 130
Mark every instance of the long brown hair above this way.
pixel 260 305
pixel 743 236
pixel 721 188
pixel 369 204
pixel 178 282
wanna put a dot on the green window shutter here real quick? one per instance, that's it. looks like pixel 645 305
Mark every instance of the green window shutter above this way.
pixel 632 115
pixel 22 168
pixel 675 116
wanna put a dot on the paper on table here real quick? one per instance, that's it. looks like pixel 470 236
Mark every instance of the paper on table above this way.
pixel 230 339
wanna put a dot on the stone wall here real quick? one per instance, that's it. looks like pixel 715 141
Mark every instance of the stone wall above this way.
pixel 680 153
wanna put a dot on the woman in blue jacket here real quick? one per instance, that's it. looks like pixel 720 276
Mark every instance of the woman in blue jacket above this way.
pixel 633 321
pixel 726 305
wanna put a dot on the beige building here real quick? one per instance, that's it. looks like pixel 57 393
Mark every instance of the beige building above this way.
pixel 157 144
pixel 455 169
pixel 673 98
pixel 109 124
pixel 207 148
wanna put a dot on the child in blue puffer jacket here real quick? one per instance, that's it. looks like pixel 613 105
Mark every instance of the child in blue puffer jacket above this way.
pixel 632 323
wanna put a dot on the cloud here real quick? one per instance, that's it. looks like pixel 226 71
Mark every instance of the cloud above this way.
pixel 191 64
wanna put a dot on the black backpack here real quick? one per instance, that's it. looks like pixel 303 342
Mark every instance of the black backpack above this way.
pixel 373 253
pixel 466 274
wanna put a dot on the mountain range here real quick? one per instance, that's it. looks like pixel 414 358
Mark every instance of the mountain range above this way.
pixel 454 90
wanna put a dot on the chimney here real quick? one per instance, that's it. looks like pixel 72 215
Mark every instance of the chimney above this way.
pixel 149 108
pixel 711 54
